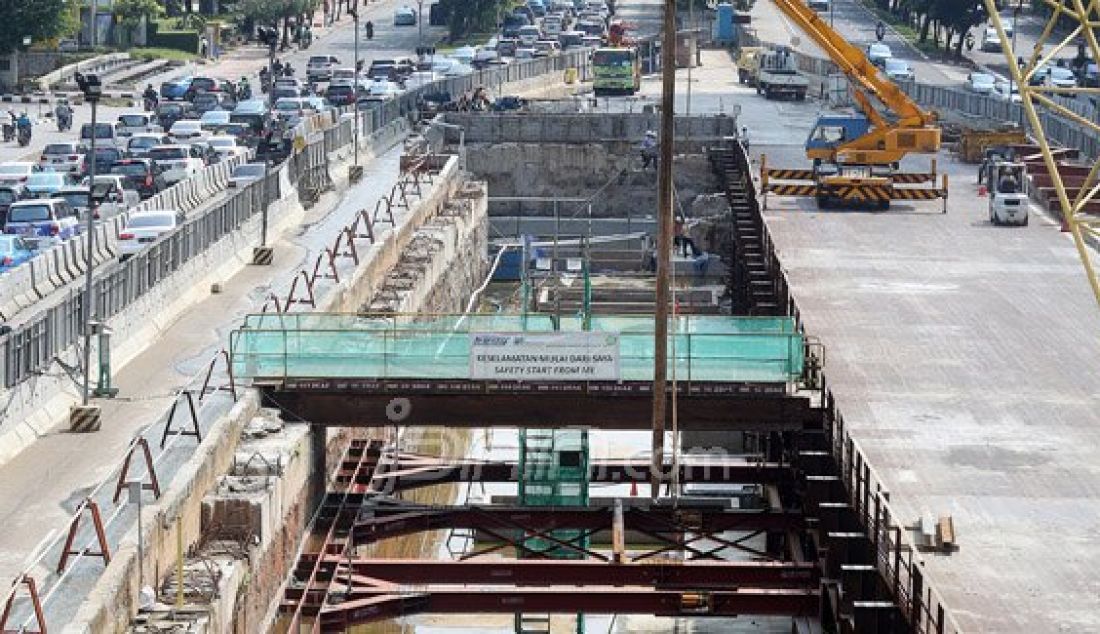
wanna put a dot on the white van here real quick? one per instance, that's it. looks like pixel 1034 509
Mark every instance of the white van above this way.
pixel 528 35
pixel 133 123
pixel 106 135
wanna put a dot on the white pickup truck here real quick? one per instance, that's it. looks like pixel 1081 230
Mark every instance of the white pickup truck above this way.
pixel 178 162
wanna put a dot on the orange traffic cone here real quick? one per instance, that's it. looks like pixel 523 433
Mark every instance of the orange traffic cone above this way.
pixel 633 488
pixel 983 191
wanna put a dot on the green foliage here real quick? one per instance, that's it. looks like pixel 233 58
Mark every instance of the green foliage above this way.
pixel 131 12
pixel 472 16
pixel 271 11
pixel 38 19
pixel 150 54
pixel 915 20
pixel 186 41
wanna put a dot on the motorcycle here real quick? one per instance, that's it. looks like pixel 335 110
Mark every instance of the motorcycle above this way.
pixel 150 104
pixel 64 122
pixel 24 137
pixel 288 71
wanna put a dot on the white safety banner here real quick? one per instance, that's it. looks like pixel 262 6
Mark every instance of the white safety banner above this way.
pixel 553 356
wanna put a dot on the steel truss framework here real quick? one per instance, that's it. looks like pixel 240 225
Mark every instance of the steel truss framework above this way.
pixel 335 589
pixel 347 591
pixel 1071 22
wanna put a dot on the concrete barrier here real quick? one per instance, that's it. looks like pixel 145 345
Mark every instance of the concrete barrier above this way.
pixel 89 65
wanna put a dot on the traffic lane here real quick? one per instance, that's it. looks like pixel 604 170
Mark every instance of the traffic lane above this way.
pixel 857 24
pixel 45 130
pixel 388 41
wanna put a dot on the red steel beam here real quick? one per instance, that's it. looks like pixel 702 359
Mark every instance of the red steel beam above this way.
pixel 415 471
pixel 382 522
pixel 696 575
pixel 569 600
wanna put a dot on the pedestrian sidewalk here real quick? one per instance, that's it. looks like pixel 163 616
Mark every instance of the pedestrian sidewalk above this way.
pixel 41 487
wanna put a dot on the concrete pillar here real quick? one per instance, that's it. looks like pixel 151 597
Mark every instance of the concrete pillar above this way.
pixel 318 447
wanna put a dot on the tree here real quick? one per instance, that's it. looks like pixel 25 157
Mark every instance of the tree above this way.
pixel 36 19
pixel 472 16
pixel 130 13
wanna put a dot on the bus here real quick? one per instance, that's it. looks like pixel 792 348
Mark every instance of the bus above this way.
pixel 617 71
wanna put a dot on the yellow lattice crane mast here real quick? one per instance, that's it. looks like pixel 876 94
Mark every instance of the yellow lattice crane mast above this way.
pixel 1074 198
pixel 856 158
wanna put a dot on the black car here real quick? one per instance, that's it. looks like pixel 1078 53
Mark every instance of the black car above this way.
pixel 201 84
pixel 169 113
pixel 104 158
pixel 141 174
pixel 340 94
pixel 8 195
pixel 205 102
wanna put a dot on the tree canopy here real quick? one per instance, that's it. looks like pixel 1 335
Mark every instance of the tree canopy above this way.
pixel 37 19
pixel 131 12
pixel 950 18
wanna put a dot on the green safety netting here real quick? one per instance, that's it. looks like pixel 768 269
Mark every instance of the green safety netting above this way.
pixel 703 348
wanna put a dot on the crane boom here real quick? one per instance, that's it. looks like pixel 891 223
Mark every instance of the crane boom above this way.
pixel 909 128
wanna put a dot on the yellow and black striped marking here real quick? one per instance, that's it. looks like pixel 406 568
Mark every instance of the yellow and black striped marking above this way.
pixel 790 175
pixel 791 190
pixel 860 193
pixel 905 193
pixel 84 419
pixel 913 178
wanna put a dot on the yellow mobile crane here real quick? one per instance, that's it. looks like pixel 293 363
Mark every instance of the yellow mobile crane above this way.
pixel 856 158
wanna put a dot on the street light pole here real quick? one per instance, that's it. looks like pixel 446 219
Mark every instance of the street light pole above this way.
pixel 1015 20
pixel 664 246
pixel 355 85
pixel 420 23
pixel 93 90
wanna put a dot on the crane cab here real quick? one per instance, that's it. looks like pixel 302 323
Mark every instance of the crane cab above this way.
pixel 830 132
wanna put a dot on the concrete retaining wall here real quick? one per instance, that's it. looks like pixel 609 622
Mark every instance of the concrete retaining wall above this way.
pixel 283 507
pixel 37 405
pixel 581 128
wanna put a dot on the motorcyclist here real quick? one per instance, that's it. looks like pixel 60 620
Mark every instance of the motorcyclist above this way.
pixel 7 124
pixel 24 126
pixel 149 97
pixel 244 89
pixel 288 70
pixel 277 66
pixel 64 113
pixel 370 30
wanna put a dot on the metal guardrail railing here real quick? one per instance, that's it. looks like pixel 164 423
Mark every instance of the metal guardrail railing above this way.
pixel 34 345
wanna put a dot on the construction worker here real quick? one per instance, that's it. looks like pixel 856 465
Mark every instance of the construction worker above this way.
pixel 1009 183
pixel 649 150
pixel 745 138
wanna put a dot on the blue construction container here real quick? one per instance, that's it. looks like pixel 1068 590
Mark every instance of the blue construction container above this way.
pixel 724 31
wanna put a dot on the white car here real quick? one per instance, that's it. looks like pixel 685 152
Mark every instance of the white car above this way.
pixel 63 157
pixel 177 161
pixel 405 16
pixel 1059 77
pixel 1004 92
pixel 981 83
pixel 139 144
pixel 247 173
pixel 898 69
pixel 319 67
pixel 343 75
pixel 212 119
pixel 991 42
pixel 226 146
pixel 137 123
pixel 420 78
pixel 185 130
pixel 143 229
pixel 17 171
pixel 878 53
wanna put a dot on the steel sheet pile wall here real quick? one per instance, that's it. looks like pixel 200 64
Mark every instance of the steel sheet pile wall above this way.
pixel 41 337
